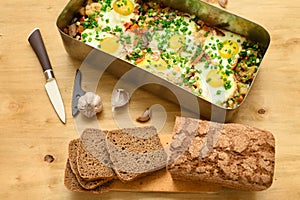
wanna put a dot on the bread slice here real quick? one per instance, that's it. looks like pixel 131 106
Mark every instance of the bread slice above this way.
pixel 232 155
pixel 92 156
pixel 135 152
pixel 73 146
pixel 72 184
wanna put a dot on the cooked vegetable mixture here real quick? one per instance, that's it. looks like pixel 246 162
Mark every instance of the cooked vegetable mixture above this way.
pixel 214 64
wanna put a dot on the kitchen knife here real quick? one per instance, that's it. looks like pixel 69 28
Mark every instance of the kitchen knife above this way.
pixel 77 92
pixel 36 42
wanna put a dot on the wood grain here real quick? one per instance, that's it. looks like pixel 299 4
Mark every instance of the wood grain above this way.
pixel 30 129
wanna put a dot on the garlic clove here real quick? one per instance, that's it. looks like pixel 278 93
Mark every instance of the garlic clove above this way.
pixel 223 3
pixel 120 97
pixel 146 116
pixel 90 104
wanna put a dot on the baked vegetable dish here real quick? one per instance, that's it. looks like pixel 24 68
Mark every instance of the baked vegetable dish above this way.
pixel 210 62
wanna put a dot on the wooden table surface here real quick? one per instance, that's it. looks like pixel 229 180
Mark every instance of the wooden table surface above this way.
pixel 30 129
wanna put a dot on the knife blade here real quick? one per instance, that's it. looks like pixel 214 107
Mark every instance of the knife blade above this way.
pixel 36 42
pixel 77 92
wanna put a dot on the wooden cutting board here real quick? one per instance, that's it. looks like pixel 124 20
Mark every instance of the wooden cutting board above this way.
pixel 162 181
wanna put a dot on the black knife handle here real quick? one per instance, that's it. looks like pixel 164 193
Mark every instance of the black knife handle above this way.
pixel 36 41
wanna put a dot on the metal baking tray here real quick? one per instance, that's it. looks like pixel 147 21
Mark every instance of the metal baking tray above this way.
pixel 211 15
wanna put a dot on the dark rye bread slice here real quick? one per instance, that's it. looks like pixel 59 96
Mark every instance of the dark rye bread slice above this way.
pixel 73 146
pixel 92 156
pixel 72 184
pixel 135 152
pixel 231 155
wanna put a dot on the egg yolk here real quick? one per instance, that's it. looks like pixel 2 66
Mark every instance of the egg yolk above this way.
pixel 109 45
pixel 123 7
pixel 228 48
pixel 214 78
pixel 176 42
pixel 158 64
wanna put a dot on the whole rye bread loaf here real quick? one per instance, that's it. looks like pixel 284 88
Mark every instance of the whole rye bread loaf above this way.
pixel 232 155
pixel 135 152
pixel 92 156
pixel 73 147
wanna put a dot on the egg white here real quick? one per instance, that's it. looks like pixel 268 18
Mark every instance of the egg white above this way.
pixel 219 95
pixel 211 48
pixel 215 93
pixel 95 39
pixel 185 41
pixel 112 18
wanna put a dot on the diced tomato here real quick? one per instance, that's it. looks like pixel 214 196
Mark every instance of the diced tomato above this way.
pixel 82 19
pixel 127 25
pixel 138 60
pixel 240 99
pixel 80 29
pixel 134 27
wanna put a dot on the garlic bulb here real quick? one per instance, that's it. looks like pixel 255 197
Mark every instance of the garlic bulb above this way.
pixel 90 104
pixel 120 97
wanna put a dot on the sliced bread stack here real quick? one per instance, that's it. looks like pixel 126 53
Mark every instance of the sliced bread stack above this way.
pixel 86 170
pixel 98 157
